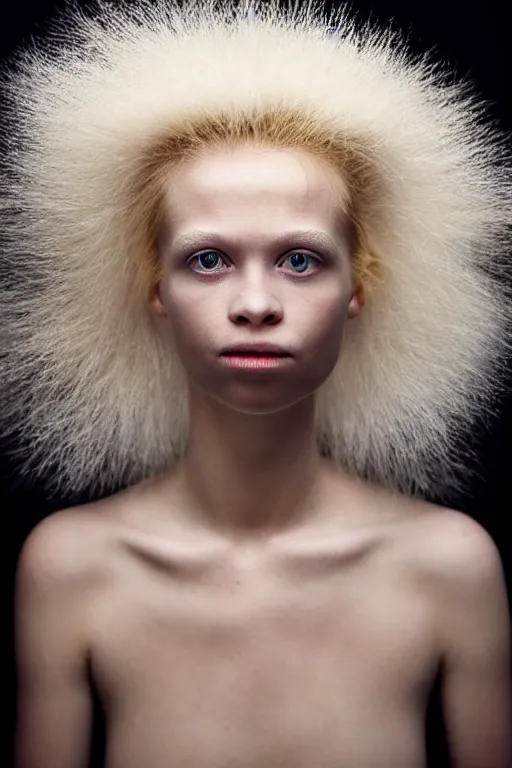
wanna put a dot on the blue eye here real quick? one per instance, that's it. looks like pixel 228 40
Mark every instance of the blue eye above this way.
pixel 209 260
pixel 302 256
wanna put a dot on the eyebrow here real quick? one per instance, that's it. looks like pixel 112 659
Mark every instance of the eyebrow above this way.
pixel 309 237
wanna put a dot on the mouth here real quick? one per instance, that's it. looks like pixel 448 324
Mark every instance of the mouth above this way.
pixel 256 362
pixel 256 350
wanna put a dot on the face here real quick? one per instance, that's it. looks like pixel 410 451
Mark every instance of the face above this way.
pixel 254 249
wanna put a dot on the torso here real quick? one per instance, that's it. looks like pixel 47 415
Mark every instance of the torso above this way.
pixel 308 650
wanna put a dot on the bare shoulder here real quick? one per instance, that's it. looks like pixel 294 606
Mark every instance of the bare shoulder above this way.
pixel 457 567
pixel 66 546
pixel 78 542
pixel 443 546
pixel 450 545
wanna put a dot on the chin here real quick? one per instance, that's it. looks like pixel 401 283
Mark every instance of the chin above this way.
pixel 253 403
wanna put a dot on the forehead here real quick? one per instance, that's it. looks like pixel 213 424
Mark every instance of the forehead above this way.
pixel 251 182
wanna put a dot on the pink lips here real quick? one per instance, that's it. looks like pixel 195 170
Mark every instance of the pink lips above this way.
pixel 256 362
pixel 260 356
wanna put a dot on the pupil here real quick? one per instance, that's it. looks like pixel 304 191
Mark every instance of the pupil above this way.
pixel 208 259
pixel 302 260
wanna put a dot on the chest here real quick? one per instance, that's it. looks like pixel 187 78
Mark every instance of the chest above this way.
pixel 244 644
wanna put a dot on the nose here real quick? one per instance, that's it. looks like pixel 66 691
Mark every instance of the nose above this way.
pixel 256 305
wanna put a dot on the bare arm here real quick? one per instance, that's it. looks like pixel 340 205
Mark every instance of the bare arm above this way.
pixel 54 709
pixel 475 638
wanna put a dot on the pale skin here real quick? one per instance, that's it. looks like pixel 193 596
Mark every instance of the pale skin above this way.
pixel 256 607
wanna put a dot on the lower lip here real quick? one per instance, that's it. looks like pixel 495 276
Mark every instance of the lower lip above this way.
pixel 256 362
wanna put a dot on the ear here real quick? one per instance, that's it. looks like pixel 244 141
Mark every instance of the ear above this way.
pixel 154 301
pixel 356 302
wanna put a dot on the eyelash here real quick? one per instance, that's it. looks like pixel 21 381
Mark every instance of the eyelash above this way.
pixel 213 271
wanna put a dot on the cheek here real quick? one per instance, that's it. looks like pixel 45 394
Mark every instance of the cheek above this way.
pixel 323 319
pixel 190 318
pixel 322 329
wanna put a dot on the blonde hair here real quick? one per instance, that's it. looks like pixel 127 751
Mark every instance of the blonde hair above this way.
pixel 93 396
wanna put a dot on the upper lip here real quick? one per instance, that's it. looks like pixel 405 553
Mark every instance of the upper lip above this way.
pixel 255 349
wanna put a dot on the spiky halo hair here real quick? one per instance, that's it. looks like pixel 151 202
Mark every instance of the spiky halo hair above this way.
pixel 90 390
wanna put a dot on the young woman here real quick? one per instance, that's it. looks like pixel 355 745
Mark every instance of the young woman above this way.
pixel 256 264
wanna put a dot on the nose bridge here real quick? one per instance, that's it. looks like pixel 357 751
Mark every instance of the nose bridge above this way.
pixel 255 275
pixel 255 292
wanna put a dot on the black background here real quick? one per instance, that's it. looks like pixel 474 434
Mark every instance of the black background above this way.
pixel 473 40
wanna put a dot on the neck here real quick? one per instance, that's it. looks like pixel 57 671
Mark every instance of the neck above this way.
pixel 249 474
